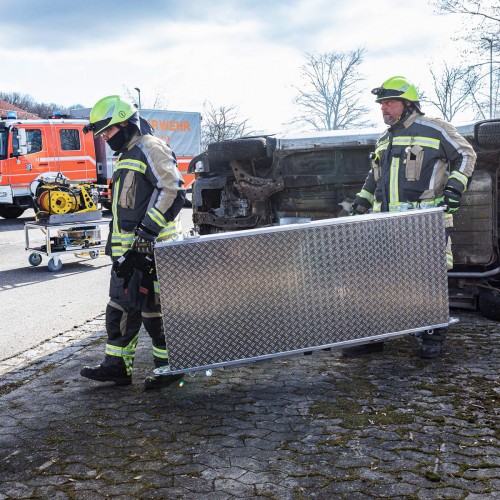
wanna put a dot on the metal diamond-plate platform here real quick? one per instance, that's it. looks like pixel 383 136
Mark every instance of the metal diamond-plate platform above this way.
pixel 242 296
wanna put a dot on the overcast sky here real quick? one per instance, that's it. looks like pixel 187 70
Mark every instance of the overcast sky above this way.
pixel 229 52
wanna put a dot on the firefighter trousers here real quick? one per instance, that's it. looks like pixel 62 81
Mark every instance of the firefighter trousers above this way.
pixel 123 323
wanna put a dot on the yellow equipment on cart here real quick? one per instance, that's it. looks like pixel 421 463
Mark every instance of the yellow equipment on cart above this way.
pixel 62 196
pixel 67 214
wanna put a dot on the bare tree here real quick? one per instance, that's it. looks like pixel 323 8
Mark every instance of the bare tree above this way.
pixel 23 101
pixel 331 96
pixel 454 88
pixel 484 11
pixel 27 103
pixel 221 123
pixel 481 27
pixel 481 20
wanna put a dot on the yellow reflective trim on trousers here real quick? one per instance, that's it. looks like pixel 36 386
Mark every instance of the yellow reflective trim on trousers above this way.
pixel 127 353
pixel 128 350
pixel 393 183
pixel 136 165
pixel 460 178
pixel 156 287
pixel 160 353
pixel 366 195
pixel 157 217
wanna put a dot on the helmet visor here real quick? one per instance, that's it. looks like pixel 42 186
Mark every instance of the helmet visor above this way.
pixel 382 93
pixel 98 128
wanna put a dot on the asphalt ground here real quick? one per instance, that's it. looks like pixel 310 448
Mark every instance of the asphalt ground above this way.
pixel 386 425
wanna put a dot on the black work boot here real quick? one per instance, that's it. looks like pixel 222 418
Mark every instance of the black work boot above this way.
pixel 159 381
pixel 107 373
pixel 431 348
pixel 359 350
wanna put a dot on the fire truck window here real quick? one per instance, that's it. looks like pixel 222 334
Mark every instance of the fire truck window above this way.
pixel 34 140
pixel 3 144
pixel 70 140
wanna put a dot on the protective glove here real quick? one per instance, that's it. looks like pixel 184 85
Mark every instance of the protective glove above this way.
pixel 145 233
pixel 451 199
pixel 144 240
pixel 357 209
pixel 124 266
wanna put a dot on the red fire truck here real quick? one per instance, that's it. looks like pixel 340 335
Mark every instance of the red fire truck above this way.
pixel 31 148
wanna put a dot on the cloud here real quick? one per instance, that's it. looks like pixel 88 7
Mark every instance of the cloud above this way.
pixel 245 53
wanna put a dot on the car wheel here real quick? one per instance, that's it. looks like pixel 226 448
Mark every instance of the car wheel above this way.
pixel 489 133
pixel 489 304
pixel 237 149
pixel 11 212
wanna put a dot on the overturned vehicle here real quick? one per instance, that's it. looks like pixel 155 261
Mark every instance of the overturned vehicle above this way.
pixel 258 182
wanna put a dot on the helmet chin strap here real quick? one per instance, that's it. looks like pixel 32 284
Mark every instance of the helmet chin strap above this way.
pixel 407 109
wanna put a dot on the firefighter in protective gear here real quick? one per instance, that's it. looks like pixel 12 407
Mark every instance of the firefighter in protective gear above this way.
pixel 419 162
pixel 147 196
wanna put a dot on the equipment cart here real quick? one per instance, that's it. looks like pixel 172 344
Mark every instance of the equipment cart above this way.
pixel 63 235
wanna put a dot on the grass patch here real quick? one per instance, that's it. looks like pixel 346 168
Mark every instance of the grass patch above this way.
pixel 353 416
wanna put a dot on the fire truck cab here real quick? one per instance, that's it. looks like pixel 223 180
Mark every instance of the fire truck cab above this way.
pixel 31 148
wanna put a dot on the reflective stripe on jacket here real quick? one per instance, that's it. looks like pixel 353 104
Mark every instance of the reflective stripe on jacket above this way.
pixel 146 189
pixel 414 162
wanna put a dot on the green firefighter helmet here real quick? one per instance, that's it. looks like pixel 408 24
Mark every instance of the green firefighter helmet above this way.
pixel 111 110
pixel 398 87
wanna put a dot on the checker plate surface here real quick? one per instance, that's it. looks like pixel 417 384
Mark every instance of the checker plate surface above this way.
pixel 237 297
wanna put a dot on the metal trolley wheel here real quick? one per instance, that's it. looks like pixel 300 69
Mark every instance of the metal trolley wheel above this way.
pixel 54 265
pixel 35 259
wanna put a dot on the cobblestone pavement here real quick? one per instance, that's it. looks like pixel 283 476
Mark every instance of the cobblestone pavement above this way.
pixel 388 425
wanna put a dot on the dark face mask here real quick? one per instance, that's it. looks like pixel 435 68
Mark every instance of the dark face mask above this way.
pixel 119 140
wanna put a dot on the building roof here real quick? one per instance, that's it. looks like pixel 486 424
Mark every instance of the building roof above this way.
pixel 5 107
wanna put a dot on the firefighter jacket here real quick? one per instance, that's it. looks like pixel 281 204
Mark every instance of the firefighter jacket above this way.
pixel 147 190
pixel 414 161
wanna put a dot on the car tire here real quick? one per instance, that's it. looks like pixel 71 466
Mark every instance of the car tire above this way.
pixel 237 149
pixel 489 304
pixel 271 146
pixel 489 133
pixel 11 212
